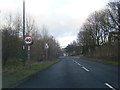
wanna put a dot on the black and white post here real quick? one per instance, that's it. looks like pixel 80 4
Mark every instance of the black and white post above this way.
pixel 46 48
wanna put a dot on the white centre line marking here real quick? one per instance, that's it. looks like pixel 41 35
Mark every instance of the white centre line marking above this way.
pixel 85 69
pixel 80 65
pixel 77 63
pixel 110 86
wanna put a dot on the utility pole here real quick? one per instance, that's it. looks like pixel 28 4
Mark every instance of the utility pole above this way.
pixel 23 32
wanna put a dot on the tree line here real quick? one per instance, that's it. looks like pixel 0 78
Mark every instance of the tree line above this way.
pixel 12 40
pixel 99 36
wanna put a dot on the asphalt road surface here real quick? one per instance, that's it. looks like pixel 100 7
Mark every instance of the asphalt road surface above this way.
pixel 73 72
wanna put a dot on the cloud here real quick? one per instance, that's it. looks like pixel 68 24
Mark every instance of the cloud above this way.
pixel 64 41
pixel 62 17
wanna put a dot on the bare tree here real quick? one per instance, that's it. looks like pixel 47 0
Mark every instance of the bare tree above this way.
pixel 10 40
pixel 30 26
pixel 114 11
pixel 100 28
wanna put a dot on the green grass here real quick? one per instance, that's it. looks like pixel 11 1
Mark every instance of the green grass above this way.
pixel 101 60
pixel 11 78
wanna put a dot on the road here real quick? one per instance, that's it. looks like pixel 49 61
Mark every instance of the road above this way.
pixel 73 72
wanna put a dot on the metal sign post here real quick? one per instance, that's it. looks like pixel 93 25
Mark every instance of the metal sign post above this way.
pixel 46 47
pixel 46 54
pixel 28 41
pixel 29 62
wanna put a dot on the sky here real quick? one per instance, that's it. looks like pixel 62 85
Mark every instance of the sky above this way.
pixel 63 18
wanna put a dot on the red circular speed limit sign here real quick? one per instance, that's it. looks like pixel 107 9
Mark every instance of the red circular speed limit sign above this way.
pixel 28 40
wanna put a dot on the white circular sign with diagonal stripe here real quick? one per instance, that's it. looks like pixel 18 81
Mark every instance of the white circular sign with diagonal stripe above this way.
pixel 28 40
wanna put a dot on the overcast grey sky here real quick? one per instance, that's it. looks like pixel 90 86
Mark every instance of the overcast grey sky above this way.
pixel 63 18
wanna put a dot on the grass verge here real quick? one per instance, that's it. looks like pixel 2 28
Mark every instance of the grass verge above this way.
pixel 100 60
pixel 11 78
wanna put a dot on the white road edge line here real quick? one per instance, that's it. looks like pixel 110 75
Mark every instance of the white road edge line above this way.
pixel 110 86
pixel 85 69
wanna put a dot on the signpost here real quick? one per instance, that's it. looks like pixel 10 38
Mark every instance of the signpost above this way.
pixel 46 47
pixel 28 40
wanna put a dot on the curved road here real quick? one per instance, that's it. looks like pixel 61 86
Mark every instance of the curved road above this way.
pixel 73 72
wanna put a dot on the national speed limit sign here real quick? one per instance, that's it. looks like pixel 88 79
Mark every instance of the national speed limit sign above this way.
pixel 28 40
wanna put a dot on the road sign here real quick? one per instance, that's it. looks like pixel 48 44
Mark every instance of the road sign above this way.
pixel 28 40
pixel 46 46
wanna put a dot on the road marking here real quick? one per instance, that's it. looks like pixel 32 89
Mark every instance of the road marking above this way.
pixel 77 63
pixel 110 86
pixel 85 69
pixel 80 65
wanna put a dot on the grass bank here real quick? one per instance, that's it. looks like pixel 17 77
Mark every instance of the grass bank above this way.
pixel 100 60
pixel 12 77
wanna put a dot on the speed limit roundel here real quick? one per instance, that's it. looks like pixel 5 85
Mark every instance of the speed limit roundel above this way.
pixel 28 40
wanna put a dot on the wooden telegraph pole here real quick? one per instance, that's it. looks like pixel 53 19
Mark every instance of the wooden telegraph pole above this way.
pixel 24 53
